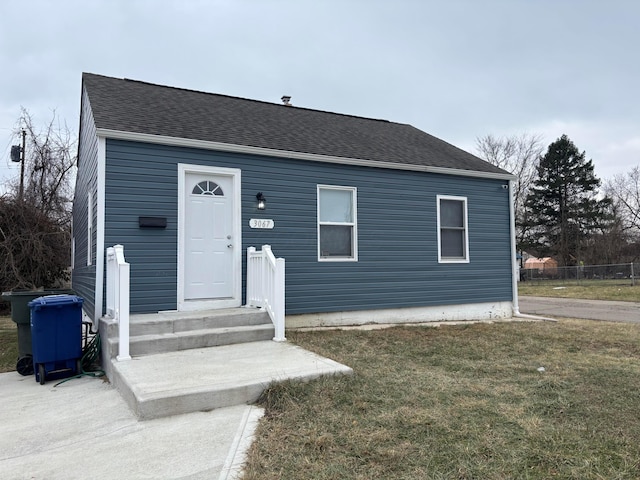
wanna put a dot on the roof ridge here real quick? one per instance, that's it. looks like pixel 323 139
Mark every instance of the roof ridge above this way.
pixel 143 82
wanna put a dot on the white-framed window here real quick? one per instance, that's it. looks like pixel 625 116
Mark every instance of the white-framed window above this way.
pixel 337 223
pixel 453 232
pixel 89 227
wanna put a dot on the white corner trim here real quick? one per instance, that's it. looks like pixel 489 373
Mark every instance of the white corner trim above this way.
pixel 229 147
pixel 100 199
pixel 515 272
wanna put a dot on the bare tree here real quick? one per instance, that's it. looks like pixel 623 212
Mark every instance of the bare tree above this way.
pixel 49 167
pixel 35 240
pixel 519 155
pixel 624 189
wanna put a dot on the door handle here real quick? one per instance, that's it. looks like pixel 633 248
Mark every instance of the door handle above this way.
pixel 230 245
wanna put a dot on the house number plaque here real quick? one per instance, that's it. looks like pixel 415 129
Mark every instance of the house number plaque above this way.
pixel 261 223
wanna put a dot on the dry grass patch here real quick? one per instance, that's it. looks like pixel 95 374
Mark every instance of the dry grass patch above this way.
pixel 8 344
pixel 460 402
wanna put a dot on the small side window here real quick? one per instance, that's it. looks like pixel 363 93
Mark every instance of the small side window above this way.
pixel 453 238
pixel 89 228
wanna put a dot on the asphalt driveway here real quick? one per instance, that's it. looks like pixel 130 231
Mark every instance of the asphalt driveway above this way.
pixel 579 308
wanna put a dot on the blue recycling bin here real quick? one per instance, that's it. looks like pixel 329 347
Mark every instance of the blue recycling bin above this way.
pixel 56 336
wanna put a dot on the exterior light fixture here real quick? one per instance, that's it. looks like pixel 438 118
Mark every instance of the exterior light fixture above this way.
pixel 262 202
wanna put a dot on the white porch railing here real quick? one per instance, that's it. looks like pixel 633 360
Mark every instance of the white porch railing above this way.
pixel 118 297
pixel 265 286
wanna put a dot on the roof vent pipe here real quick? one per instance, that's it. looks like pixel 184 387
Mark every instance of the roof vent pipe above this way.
pixel 285 99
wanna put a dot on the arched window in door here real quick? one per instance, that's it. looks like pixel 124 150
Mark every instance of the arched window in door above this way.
pixel 207 187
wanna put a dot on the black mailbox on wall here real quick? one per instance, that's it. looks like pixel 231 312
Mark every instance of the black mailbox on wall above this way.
pixel 152 222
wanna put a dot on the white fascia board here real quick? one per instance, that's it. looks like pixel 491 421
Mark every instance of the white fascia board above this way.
pixel 229 147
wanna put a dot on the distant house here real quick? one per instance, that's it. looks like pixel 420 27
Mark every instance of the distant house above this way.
pixel 545 265
pixel 375 219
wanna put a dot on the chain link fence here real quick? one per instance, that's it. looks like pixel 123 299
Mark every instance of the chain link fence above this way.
pixel 617 274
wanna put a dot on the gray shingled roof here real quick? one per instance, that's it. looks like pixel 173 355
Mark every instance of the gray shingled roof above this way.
pixel 134 106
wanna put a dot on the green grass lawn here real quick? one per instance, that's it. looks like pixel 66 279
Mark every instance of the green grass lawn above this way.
pixel 461 402
pixel 593 291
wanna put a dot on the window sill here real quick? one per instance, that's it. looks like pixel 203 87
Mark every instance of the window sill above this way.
pixel 337 259
pixel 453 260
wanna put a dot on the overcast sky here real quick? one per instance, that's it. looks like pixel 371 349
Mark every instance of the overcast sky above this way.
pixel 457 69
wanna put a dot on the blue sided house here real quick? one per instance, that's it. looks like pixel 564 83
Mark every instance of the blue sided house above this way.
pixel 377 221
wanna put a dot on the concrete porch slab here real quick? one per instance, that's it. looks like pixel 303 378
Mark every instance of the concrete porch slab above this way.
pixel 208 378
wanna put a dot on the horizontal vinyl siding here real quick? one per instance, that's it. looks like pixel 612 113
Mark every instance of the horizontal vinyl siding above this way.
pixel 397 230
pixel 397 242
pixel 140 185
pixel 84 276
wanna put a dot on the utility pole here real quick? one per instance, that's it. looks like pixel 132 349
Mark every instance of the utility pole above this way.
pixel 24 140
pixel 18 155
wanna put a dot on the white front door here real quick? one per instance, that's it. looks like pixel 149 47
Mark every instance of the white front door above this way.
pixel 209 241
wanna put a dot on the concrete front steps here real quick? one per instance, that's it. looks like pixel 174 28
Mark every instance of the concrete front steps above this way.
pixel 172 331
pixel 186 362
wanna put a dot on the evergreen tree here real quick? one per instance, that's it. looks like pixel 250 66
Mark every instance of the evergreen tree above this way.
pixel 563 208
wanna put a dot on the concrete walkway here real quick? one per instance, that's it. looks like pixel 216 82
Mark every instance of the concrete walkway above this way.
pixel 83 429
pixel 580 308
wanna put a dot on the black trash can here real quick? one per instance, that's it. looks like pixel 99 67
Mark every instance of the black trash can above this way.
pixel 21 315
pixel 56 336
